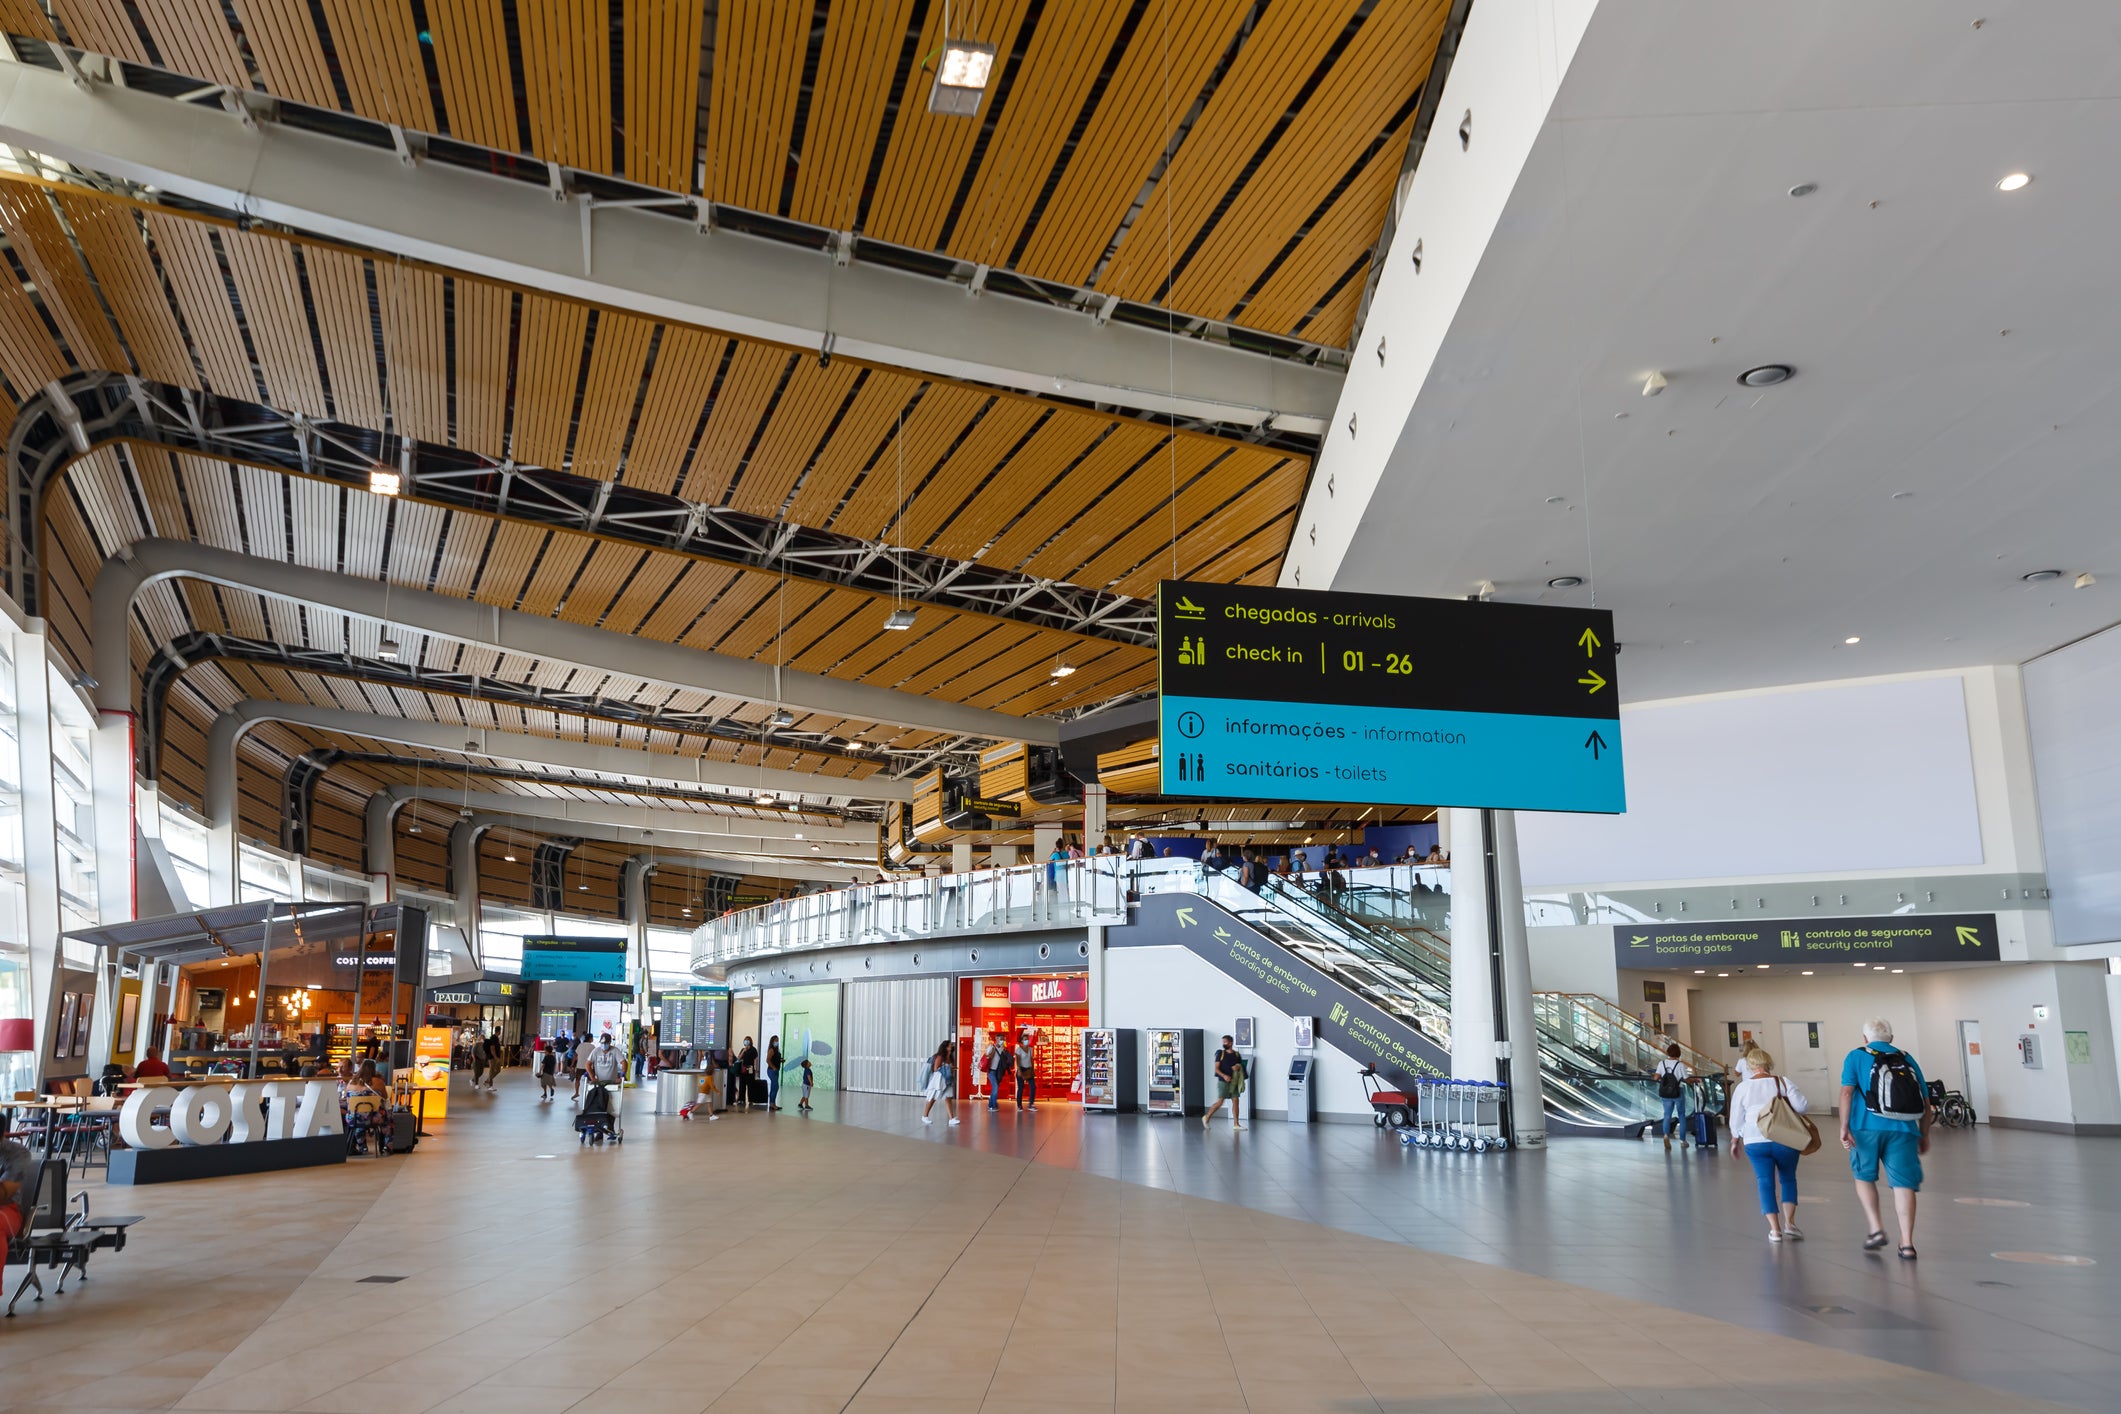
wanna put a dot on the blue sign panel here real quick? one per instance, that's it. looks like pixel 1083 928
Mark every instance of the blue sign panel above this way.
pixel 1282 694
pixel 574 959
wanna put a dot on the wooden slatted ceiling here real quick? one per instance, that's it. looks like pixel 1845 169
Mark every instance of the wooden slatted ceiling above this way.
pixel 925 162
pixel 1344 233
pixel 856 64
pixel 33 231
pixel 724 610
pixel 750 128
pixel 1066 53
pixel 662 91
pixel 378 44
pixel 410 301
pixel 192 265
pixel 1148 95
pixel 748 386
pixel 1337 123
pixel 1283 51
pixel 566 48
pixel 289 51
pixel 102 26
pixel 28 354
pixel 194 39
pixel 478 84
pixel 26 18
pixel 970 472
pixel 751 113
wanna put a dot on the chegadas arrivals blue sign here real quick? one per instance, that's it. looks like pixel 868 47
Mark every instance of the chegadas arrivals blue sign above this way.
pixel 1289 694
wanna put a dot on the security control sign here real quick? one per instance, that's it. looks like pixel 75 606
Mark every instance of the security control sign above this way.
pixel 1899 937
pixel 1290 694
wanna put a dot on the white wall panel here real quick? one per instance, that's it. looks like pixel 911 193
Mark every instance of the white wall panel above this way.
pixel 2071 697
pixel 1851 777
pixel 891 1028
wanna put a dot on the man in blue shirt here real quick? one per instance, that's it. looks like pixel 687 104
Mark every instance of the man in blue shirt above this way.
pixel 1876 1141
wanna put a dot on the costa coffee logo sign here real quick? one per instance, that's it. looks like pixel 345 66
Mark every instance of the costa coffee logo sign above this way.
pixel 209 1114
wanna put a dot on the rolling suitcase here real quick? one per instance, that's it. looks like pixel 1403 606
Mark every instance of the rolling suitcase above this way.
pixel 404 1130
pixel 1701 1128
pixel 758 1090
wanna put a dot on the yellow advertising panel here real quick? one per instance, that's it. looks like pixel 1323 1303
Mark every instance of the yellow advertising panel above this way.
pixel 429 1073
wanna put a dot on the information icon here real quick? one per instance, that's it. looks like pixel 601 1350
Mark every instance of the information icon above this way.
pixel 1190 724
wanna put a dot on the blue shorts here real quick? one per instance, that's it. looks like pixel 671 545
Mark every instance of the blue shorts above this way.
pixel 1898 1150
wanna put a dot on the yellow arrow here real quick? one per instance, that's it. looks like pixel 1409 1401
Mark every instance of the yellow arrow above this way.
pixel 1185 918
pixel 1589 641
pixel 1969 937
pixel 1594 680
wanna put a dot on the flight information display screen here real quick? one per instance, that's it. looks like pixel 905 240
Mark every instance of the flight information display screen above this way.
pixel 1292 694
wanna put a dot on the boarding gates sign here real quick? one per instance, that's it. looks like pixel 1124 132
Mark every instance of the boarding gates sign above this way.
pixel 1290 694
pixel 1898 937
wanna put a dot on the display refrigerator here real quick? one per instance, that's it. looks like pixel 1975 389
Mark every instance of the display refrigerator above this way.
pixel 1175 1080
pixel 1110 1080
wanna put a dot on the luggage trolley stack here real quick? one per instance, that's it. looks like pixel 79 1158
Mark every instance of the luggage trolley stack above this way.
pixel 1457 1114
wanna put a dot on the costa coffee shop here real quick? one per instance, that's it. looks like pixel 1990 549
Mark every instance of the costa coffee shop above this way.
pixel 262 988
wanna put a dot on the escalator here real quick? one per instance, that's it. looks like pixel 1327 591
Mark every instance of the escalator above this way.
pixel 1378 976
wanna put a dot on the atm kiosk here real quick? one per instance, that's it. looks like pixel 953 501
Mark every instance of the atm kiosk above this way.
pixel 1303 1067
pixel 1245 1041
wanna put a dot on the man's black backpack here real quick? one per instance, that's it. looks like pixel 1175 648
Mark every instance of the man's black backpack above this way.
pixel 1893 1091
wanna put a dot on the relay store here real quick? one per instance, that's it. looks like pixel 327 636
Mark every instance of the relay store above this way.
pixel 1053 1009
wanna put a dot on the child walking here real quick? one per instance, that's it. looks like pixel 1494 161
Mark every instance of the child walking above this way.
pixel 804 1103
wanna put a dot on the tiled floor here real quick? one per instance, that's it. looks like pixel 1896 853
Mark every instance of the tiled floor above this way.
pixel 781 1263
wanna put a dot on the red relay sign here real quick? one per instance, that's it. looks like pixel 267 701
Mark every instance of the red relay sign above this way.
pixel 1038 991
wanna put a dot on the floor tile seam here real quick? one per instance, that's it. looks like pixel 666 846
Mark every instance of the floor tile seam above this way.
pixel 1023 1167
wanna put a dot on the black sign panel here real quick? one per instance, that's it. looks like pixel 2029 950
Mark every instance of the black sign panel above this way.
pixel 1899 937
pixel 1289 694
pixel 1387 650
pixel 1346 1021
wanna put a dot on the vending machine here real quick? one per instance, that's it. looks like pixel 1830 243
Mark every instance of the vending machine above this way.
pixel 1176 1085
pixel 1111 1081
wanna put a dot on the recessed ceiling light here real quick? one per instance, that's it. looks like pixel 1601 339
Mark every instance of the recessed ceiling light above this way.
pixel 1761 965
pixel 1767 375
pixel 1804 188
pixel 383 482
pixel 1723 974
pixel 1853 638
pixel 1863 964
pixel 798 834
pixel 2041 576
pixel 1556 500
pixel 1903 495
pixel 1700 971
pixel 1806 973
pixel 2016 181
pixel 1566 581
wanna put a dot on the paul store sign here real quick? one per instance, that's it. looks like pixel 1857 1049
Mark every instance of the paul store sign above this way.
pixel 235 1113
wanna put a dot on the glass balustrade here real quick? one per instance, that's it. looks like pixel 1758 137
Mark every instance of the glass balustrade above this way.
pixel 1381 932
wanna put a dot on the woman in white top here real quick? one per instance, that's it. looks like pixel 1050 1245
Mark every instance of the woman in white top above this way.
pixel 1771 1161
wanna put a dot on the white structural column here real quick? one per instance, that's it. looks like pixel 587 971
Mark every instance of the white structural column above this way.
pixel 633 901
pixel 40 846
pixel 1485 859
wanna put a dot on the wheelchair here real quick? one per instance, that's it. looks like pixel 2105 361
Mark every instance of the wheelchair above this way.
pixel 1954 1110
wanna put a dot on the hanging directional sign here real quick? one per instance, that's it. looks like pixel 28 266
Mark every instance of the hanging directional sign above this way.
pixel 1289 694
